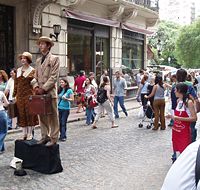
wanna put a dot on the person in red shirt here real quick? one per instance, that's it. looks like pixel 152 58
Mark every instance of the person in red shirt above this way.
pixel 79 89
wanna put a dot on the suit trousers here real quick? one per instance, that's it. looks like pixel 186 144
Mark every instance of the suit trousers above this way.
pixel 49 124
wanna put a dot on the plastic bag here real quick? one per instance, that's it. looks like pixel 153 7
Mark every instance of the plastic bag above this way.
pixel 141 112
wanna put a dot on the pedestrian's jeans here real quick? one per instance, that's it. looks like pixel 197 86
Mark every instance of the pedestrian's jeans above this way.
pixel 119 99
pixel 3 129
pixel 193 131
pixel 90 115
pixel 63 117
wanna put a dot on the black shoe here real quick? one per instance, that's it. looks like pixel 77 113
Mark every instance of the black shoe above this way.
pixel 126 114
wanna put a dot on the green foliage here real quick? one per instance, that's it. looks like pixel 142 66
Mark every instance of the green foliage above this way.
pixel 188 46
pixel 167 34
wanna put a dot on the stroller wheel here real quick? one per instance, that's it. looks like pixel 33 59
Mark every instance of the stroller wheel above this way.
pixel 148 126
pixel 140 125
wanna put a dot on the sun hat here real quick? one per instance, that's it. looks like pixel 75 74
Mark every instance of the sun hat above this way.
pixel 45 39
pixel 27 55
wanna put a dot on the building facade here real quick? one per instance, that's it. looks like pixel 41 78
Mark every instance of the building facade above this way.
pixel 95 34
pixel 179 11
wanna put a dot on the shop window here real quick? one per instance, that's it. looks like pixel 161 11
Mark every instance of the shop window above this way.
pixel 79 52
pixel 132 55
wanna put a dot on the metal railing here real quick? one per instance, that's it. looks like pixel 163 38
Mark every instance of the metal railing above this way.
pixel 150 4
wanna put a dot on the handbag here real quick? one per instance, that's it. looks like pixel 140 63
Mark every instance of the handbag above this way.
pixel 92 102
pixel 12 110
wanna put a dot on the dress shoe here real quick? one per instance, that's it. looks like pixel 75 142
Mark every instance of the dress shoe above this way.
pixel 50 143
pixel 43 141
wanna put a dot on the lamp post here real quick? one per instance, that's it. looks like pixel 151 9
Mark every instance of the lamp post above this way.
pixel 56 31
pixel 159 47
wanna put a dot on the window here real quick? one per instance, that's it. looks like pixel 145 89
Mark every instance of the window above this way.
pixel 132 54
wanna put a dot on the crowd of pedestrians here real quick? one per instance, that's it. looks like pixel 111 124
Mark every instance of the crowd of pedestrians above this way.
pixel 95 99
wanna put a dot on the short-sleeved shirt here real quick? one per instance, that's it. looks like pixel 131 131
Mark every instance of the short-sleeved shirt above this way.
pixel 79 83
pixel 10 88
pixel 64 104
pixel 120 86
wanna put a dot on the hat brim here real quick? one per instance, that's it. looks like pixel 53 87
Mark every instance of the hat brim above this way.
pixel 20 57
pixel 45 40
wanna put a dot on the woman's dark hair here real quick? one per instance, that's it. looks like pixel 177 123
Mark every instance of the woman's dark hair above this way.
pixel 183 89
pixel 105 81
pixel 159 80
pixel 67 87
pixel 181 75
pixel 89 80
pixel 144 79
pixel 189 77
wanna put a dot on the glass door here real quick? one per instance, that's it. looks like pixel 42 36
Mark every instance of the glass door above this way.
pixel 102 57
pixel 6 38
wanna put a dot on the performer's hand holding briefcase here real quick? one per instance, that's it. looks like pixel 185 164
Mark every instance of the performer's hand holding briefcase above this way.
pixel 40 104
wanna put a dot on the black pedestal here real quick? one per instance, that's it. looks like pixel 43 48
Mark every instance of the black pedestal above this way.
pixel 38 157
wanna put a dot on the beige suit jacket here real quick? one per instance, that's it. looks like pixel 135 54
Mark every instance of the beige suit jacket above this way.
pixel 47 73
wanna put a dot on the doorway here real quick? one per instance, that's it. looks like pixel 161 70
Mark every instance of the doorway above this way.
pixel 6 38
pixel 102 57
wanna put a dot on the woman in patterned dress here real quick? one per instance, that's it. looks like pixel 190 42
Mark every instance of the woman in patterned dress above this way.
pixel 22 91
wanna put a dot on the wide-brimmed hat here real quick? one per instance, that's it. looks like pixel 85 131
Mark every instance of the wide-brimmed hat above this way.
pixel 27 55
pixel 45 39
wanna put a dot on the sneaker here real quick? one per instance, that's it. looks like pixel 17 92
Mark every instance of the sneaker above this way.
pixel 63 139
pixel 114 126
pixel 116 117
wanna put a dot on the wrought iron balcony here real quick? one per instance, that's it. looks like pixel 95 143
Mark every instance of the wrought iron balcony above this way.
pixel 150 4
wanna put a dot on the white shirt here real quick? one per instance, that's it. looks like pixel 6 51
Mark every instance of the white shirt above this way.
pixel 10 88
pixel 181 175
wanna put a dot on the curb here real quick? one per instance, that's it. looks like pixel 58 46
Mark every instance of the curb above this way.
pixel 75 120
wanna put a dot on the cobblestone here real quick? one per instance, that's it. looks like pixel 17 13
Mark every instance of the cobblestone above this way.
pixel 123 158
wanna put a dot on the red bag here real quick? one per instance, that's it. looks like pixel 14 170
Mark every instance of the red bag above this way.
pixel 92 102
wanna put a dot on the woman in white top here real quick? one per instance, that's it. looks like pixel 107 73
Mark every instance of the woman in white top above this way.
pixel 3 121
pixel 107 104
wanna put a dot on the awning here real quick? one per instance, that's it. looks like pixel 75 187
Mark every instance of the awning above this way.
pixel 133 28
pixel 88 18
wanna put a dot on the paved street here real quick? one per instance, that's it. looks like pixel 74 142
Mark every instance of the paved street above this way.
pixel 124 158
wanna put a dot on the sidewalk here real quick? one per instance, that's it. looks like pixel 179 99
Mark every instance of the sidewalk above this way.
pixel 73 117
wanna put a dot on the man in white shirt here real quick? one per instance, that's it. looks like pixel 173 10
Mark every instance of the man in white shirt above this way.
pixel 181 175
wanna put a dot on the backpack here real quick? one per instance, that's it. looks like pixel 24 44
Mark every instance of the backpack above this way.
pixel 101 95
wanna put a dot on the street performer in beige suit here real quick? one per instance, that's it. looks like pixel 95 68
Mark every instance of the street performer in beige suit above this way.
pixel 46 75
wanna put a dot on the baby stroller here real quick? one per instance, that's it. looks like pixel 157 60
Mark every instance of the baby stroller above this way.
pixel 148 114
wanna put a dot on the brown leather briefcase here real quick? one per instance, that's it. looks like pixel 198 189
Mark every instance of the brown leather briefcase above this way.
pixel 12 110
pixel 40 105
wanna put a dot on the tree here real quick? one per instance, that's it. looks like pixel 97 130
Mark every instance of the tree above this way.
pixel 164 42
pixel 188 46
